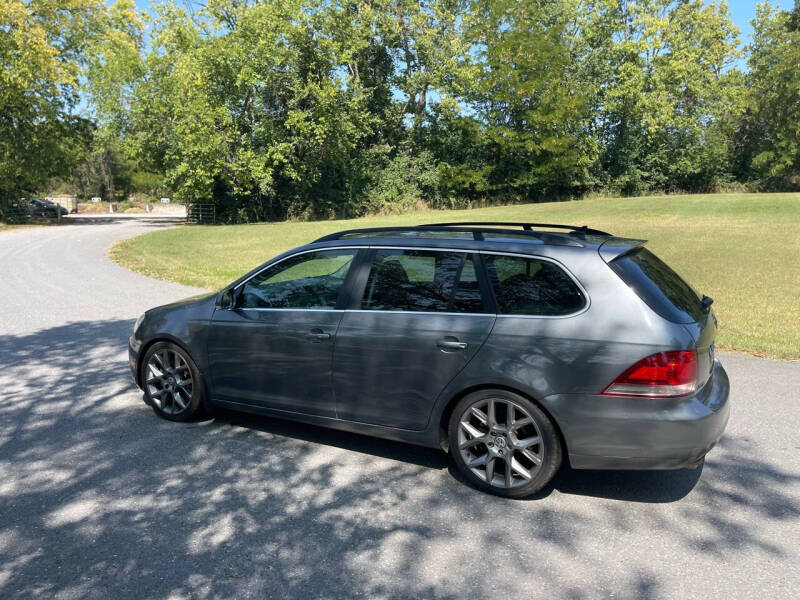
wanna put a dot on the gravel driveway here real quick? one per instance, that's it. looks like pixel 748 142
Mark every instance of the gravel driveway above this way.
pixel 101 499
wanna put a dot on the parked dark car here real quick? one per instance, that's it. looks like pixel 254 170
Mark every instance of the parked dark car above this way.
pixel 514 346
pixel 45 208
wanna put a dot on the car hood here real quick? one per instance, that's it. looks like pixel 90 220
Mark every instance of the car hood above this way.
pixel 192 301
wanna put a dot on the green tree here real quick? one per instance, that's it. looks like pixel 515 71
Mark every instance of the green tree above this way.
pixel 42 53
pixel 319 108
pixel 664 91
pixel 525 98
pixel 262 108
pixel 770 138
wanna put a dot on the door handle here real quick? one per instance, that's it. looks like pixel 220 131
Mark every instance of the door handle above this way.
pixel 316 335
pixel 451 344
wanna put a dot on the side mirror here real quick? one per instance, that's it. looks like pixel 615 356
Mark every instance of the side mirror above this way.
pixel 227 300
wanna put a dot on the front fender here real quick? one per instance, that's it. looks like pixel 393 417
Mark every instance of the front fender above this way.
pixel 184 323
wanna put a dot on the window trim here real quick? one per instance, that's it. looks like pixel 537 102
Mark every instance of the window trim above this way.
pixel 353 288
pixel 417 312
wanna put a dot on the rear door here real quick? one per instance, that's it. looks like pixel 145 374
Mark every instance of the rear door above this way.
pixel 419 321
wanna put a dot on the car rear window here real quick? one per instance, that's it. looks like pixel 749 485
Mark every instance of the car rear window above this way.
pixel 659 286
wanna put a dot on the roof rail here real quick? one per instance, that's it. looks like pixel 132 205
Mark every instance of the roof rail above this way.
pixel 477 228
pixel 525 226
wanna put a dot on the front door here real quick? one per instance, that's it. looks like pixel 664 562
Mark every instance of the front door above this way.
pixel 420 321
pixel 275 348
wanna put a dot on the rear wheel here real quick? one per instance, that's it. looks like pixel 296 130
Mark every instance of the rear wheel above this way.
pixel 503 443
pixel 172 383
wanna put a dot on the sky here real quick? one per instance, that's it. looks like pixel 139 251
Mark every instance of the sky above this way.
pixel 744 10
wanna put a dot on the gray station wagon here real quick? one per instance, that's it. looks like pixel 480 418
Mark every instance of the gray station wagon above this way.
pixel 516 346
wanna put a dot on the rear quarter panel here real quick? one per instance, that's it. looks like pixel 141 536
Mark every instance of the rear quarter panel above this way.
pixel 577 354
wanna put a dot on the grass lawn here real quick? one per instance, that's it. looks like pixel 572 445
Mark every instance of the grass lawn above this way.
pixel 741 249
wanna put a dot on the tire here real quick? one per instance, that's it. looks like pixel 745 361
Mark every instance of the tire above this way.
pixel 176 393
pixel 513 462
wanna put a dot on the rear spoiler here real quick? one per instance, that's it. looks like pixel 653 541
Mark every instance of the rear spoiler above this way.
pixel 615 247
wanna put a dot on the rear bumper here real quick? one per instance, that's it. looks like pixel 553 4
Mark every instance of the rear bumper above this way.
pixel 605 432
pixel 133 357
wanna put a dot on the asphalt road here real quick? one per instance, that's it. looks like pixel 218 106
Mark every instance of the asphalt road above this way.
pixel 101 499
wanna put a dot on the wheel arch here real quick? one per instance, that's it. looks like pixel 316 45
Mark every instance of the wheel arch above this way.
pixel 444 418
pixel 165 337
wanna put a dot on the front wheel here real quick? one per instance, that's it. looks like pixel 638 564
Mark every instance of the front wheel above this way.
pixel 172 383
pixel 503 443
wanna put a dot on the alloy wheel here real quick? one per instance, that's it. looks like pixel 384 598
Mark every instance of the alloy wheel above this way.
pixel 169 381
pixel 500 442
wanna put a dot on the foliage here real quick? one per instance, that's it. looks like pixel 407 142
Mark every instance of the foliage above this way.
pixel 770 135
pixel 310 109
pixel 42 50
pixel 526 99
pixel 398 184
pixel 663 91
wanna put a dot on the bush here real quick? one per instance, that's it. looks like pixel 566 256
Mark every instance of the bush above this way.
pixel 404 183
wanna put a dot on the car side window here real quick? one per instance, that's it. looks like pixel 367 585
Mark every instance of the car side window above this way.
pixel 422 281
pixel 310 280
pixel 527 286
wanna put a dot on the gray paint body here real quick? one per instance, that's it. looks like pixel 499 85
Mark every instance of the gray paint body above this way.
pixel 382 373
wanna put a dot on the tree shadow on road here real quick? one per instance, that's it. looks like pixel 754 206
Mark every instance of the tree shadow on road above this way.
pixel 99 498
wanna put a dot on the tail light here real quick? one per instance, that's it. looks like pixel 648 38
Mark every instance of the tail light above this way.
pixel 662 375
